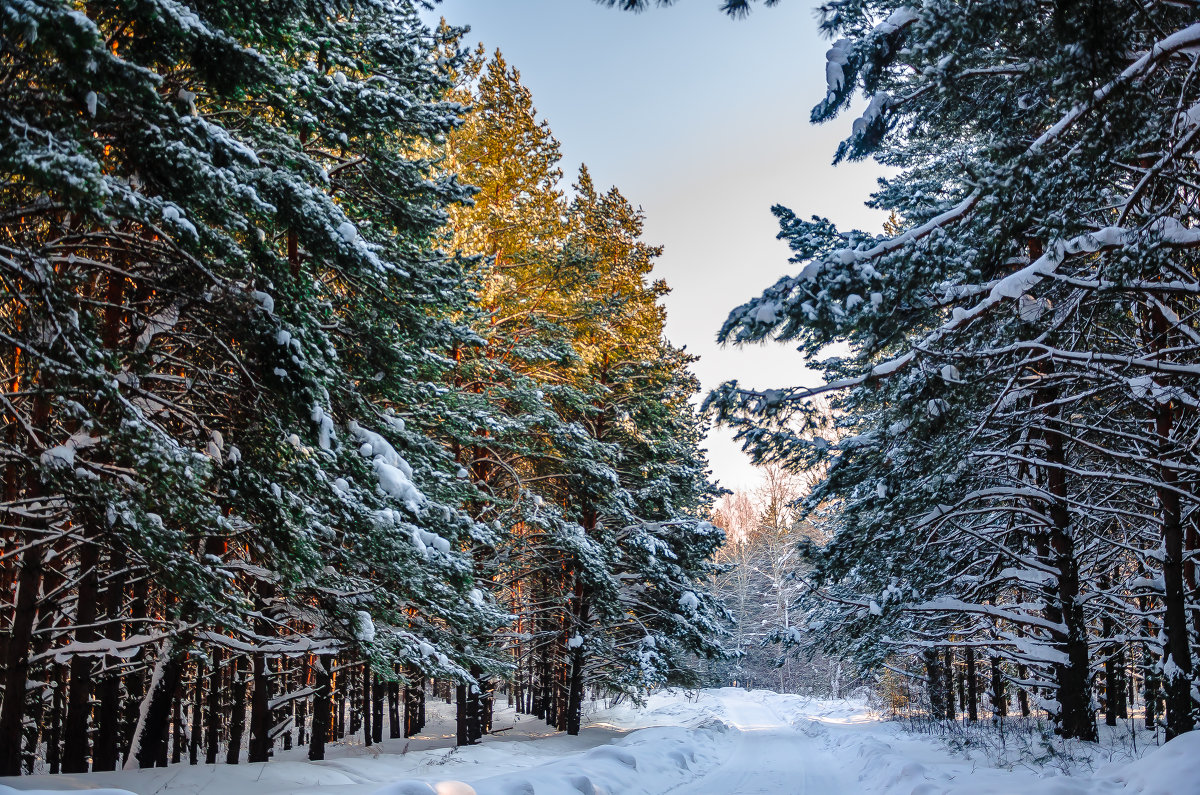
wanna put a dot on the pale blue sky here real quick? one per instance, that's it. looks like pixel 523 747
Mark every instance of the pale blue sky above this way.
pixel 701 120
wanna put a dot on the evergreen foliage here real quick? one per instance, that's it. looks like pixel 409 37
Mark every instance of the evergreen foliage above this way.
pixel 1008 456
pixel 266 446
pixel 596 463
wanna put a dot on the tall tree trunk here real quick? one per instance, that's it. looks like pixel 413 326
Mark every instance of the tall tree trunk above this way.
pixel 213 718
pixel 259 749
pixel 537 707
pixel 933 683
pixel 24 615
pixel 106 749
pixel 178 734
pixel 1177 667
pixel 393 700
pixel 12 490
pixel 75 747
pixel 972 686
pixel 487 704
pixel 948 686
pixel 79 694
pixel 237 712
pixel 135 680
pixel 377 696
pixel 351 685
pixel 306 680
pixel 1113 698
pixel 49 626
pixel 420 705
pixel 16 667
pixel 342 679
pixel 1075 717
pixel 1150 681
pixel 1023 693
pixel 321 704
pixel 461 732
pixel 261 721
pixel 53 739
pixel 197 712
pixel 999 690
pixel 151 736
pixel 575 684
pixel 410 709
pixel 475 707
pixel 365 693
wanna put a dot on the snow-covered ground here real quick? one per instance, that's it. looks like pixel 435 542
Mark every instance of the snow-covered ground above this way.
pixel 715 742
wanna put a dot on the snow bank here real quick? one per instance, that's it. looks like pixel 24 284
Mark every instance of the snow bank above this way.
pixel 648 762
pixel 1173 769
pixel 700 742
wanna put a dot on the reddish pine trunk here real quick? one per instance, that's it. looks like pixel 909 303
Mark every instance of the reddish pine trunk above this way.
pixel 75 747
pixel 320 710
pixel 365 697
pixel 106 751
pixel 24 616
pixel 972 686
pixel 197 712
pixel 1074 676
pixel 1177 668
pixel 237 713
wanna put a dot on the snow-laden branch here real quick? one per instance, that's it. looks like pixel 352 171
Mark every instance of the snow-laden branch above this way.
pixel 1171 45
pixel 302 645
pixel 1168 231
pixel 1176 42
pixel 122 649
pixel 850 256
pixel 949 605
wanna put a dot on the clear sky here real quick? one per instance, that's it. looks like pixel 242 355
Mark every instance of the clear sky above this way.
pixel 701 120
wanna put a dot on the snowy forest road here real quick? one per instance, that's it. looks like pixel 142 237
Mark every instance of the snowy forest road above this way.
pixel 769 755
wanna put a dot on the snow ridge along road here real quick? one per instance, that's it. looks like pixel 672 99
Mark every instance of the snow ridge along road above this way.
pixel 712 742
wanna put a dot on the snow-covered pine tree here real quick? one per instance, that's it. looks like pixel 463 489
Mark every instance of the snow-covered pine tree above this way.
pixel 223 304
pixel 515 228
pixel 652 524
pixel 1044 260
pixel 574 350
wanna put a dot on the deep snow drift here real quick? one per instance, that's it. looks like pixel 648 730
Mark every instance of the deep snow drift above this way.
pixel 716 742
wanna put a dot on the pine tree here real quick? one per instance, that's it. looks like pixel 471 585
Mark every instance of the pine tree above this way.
pixel 574 352
pixel 225 294
pixel 1008 342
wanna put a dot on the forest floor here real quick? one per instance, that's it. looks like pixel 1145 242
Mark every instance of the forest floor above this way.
pixel 714 742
